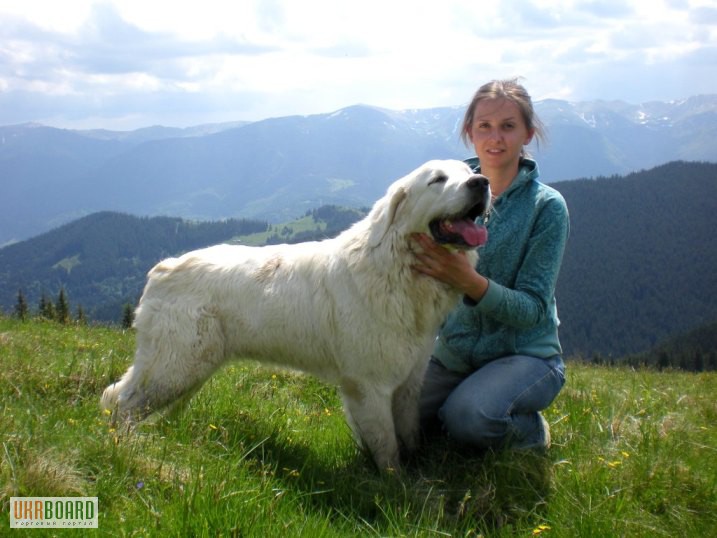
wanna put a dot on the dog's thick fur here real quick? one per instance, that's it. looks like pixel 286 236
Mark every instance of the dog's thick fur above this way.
pixel 349 310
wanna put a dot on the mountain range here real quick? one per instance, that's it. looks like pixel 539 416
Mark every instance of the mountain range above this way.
pixel 276 169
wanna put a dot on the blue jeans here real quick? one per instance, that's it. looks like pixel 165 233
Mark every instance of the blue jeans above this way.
pixel 496 406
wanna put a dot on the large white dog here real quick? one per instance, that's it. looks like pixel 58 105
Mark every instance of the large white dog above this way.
pixel 349 310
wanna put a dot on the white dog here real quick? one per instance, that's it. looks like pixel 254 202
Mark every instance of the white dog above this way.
pixel 349 310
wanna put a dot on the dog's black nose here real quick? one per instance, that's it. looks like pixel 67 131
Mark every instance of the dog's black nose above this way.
pixel 477 181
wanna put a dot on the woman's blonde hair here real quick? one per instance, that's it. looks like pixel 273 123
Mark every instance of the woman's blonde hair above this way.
pixel 504 89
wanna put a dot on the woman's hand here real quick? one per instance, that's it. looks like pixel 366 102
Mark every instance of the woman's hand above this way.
pixel 450 266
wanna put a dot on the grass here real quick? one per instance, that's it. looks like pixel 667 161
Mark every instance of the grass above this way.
pixel 286 231
pixel 262 452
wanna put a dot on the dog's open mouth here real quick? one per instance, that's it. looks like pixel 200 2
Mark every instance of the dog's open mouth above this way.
pixel 461 231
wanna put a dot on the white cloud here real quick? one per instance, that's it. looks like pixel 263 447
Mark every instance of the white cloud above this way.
pixel 116 62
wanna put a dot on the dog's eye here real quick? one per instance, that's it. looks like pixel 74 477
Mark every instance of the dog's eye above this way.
pixel 440 178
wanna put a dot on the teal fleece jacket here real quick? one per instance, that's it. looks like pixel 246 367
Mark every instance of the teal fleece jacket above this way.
pixel 528 228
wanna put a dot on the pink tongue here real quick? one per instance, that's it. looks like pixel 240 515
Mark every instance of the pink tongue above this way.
pixel 473 234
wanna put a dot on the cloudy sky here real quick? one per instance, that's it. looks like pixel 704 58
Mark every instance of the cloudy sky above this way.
pixel 125 64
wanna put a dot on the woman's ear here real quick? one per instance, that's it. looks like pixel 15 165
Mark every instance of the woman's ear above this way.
pixel 529 139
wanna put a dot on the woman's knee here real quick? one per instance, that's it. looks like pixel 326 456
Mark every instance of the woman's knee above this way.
pixel 471 425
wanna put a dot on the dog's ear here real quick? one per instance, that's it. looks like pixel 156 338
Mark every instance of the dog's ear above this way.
pixel 384 214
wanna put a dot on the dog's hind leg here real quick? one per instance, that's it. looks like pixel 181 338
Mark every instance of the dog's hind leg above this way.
pixel 171 362
pixel 368 412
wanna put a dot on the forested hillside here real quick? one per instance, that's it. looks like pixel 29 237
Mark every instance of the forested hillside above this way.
pixel 102 260
pixel 640 262
pixel 638 269
pixel 695 350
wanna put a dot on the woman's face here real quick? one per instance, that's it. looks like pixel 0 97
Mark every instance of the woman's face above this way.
pixel 498 133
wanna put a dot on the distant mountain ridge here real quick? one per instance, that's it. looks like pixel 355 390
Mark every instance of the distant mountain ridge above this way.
pixel 638 269
pixel 279 168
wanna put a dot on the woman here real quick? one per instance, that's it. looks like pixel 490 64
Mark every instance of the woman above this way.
pixel 497 360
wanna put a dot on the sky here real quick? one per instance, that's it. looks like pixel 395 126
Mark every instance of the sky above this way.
pixel 127 64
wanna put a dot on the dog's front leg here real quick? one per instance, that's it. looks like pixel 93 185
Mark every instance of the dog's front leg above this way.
pixel 405 407
pixel 368 412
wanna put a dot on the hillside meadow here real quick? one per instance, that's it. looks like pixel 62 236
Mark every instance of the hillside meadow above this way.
pixel 261 452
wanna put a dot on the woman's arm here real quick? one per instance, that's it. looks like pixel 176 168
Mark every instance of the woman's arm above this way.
pixel 451 267
pixel 526 303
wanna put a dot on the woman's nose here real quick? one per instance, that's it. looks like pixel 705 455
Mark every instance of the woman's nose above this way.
pixel 495 134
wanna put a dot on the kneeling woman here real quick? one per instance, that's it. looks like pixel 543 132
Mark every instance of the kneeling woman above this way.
pixel 497 361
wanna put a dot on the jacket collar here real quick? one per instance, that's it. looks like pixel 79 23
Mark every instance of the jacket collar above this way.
pixel 527 172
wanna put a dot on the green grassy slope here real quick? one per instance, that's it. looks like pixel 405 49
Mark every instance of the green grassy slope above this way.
pixel 262 452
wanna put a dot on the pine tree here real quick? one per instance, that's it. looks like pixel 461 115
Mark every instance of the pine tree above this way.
pixel 21 308
pixel 699 361
pixel 42 305
pixel 127 317
pixel 62 309
pixel 46 308
pixel 81 318
pixel 663 361
pixel 712 361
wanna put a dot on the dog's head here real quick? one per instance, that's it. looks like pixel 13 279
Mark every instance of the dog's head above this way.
pixel 440 198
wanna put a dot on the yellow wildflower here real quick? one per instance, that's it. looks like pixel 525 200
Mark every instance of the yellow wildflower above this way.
pixel 540 529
